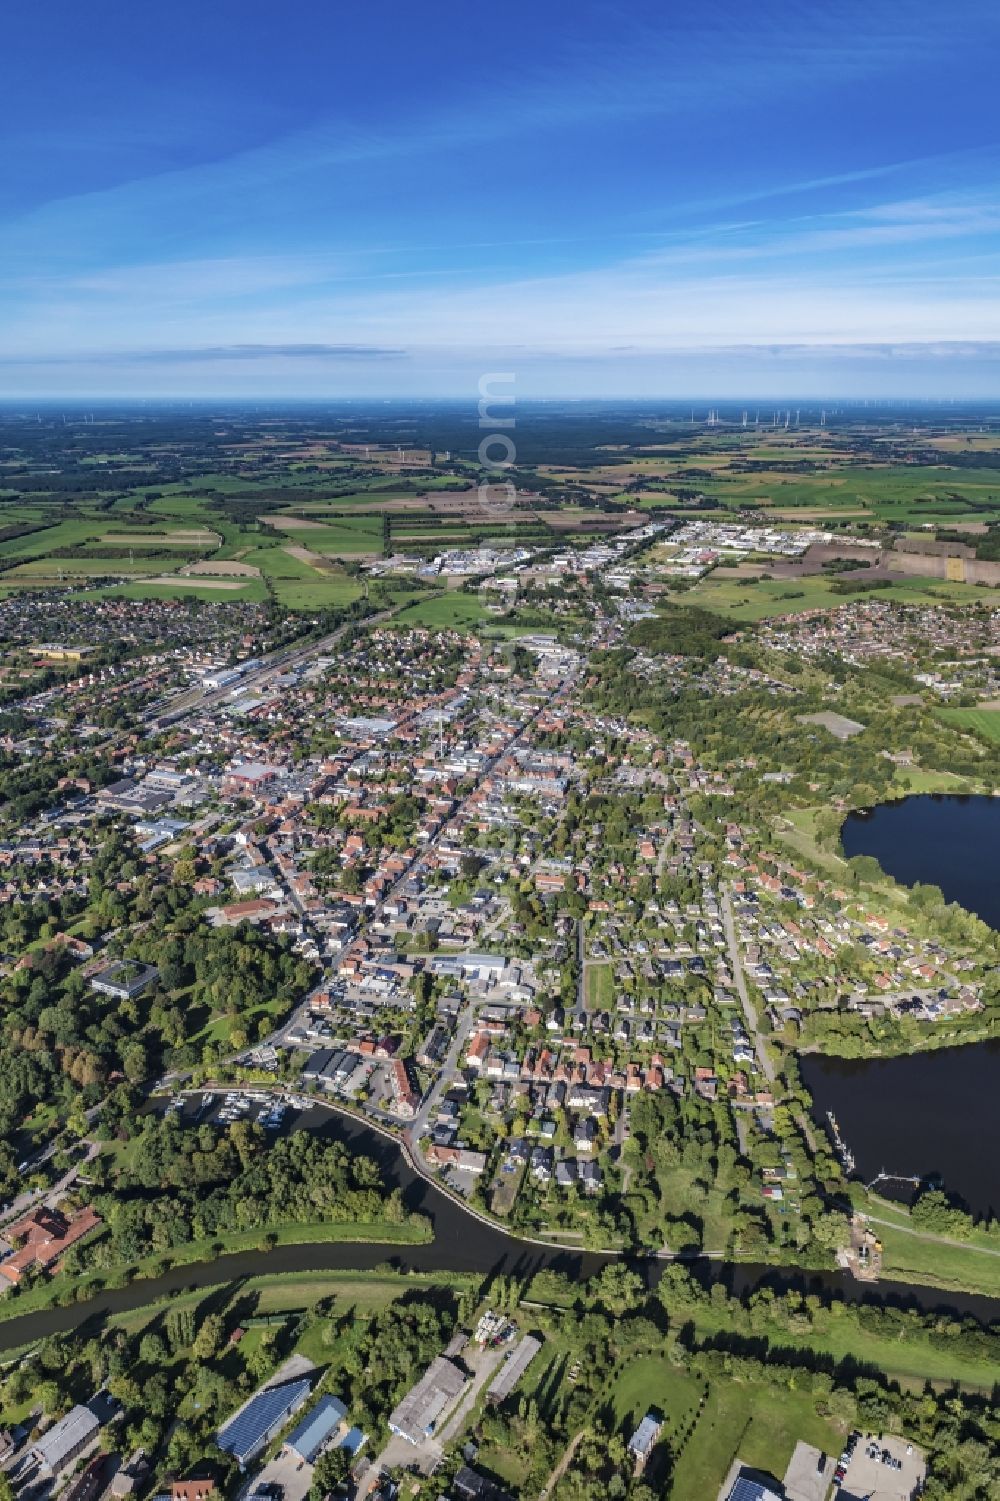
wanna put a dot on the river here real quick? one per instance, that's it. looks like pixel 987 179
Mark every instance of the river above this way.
pixel 461 1244
pixel 946 841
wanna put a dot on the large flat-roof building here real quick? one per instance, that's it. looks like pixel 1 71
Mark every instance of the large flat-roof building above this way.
pixel 420 1411
pixel 124 979
pixel 261 1419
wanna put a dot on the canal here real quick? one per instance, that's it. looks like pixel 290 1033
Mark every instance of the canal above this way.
pixel 461 1244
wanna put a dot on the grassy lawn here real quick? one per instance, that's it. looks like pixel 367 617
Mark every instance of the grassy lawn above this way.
pixel 913 1358
pixel 761 1426
pixel 444 612
pixel 913 779
pixel 366 1292
pixel 985 722
pixel 600 985
pixel 955 1267
pixel 797 828
pixel 651 1383
pixel 971 1265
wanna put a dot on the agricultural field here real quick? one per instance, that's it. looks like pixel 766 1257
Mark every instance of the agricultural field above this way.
pixel 284 509
pixel 333 536
pixel 301 583
pixel 252 591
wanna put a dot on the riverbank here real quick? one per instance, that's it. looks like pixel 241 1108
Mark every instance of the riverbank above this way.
pixel 912 1254
pixel 64 1289
pixel 914 1358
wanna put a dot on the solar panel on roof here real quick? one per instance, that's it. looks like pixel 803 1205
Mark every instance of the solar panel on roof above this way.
pixel 249 1429
pixel 751 1490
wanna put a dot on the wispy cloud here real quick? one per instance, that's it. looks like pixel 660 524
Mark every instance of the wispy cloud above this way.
pixel 201 354
pixel 645 181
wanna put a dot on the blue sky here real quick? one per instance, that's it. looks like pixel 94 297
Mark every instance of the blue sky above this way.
pixel 603 199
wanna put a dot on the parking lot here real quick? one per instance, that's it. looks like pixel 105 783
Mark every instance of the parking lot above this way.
pixel 869 1476
pixel 290 1473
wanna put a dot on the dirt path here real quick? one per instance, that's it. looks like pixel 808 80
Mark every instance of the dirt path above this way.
pixel 223 568
pixel 562 1466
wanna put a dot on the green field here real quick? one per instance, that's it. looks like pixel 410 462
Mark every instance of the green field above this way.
pixel 344 536
pixel 759 1425
pixel 442 612
pixel 651 1382
pixel 600 987
pixel 968 1265
pixel 985 722
pixel 66 533
pixel 300 585
pixel 759 599
pixel 254 590
pixel 55 569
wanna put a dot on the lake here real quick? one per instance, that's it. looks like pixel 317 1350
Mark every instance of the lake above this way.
pixel 946 841
pixel 925 1114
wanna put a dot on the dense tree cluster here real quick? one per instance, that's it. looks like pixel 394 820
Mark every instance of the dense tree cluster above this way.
pixel 172 1185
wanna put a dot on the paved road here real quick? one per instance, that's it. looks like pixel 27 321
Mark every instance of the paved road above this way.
pixel 581 966
pixel 763 1057
pixel 32 1197
pixel 447 1074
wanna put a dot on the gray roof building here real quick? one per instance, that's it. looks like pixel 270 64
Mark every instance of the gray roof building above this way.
pixel 513 1369
pixel 65 1440
pixel 308 1437
pixel 424 1404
